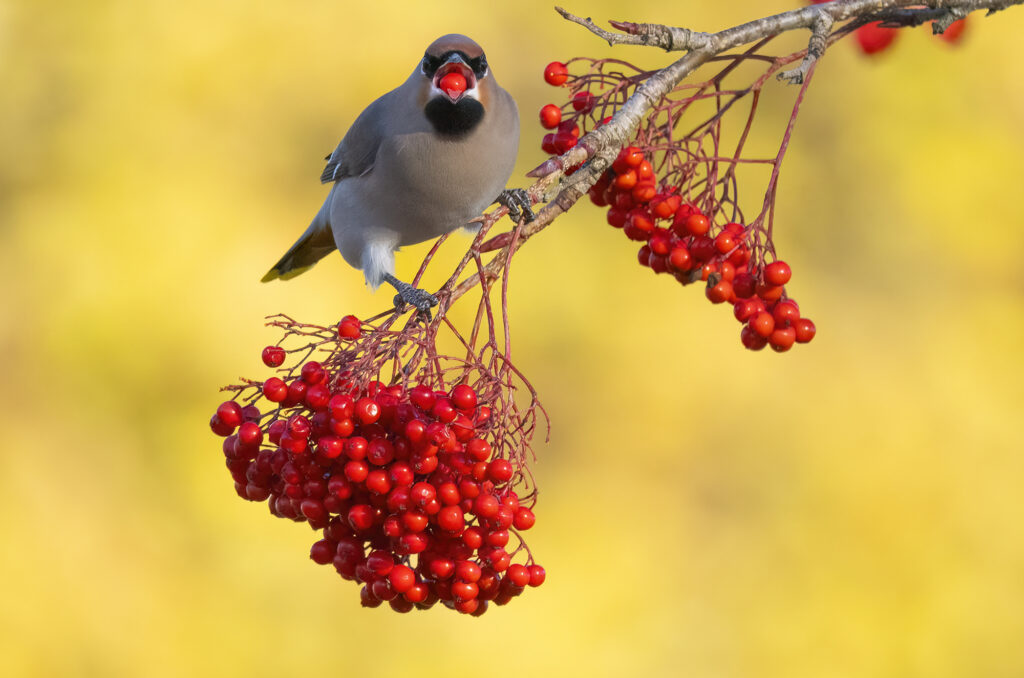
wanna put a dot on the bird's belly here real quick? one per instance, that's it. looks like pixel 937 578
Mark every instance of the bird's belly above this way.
pixel 438 190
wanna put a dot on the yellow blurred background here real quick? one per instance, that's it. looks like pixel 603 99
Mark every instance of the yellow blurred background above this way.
pixel 849 509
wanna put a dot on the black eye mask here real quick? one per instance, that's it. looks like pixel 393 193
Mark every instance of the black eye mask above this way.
pixel 432 63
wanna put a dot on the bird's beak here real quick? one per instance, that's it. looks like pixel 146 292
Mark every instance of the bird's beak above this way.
pixel 454 87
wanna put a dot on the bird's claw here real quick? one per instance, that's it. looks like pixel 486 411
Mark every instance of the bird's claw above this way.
pixel 421 300
pixel 518 203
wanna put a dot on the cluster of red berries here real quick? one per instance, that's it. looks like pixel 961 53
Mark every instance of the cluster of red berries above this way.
pixel 680 240
pixel 411 500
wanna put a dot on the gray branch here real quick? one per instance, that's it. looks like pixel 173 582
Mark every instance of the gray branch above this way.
pixel 815 50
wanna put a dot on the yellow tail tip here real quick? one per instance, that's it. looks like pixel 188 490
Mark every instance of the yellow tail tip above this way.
pixel 276 274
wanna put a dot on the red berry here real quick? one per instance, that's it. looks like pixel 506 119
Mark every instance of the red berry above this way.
pixel 401 473
pixel 664 207
pixel 448 493
pixel 312 509
pixel 377 481
pixel 583 101
pixel 422 397
pixel 367 410
pixel 744 285
pixel 486 506
pixel 463 397
pixel 697 224
pixel 402 578
pixel 743 309
pixel 632 156
pixel 349 327
pixel 679 258
pixel 322 552
pixel 380 452
pixel 782 339
pixel 547 144
pixel 450 519
pixel 273 356
pixel 537 575
pixel 249 433
pixel 275 390
pixel 569 127
pixel 497 538
pixel 524 518
pixel 616 217
pixel 415 521
pixel 661 242
pixel 467 571
pixel 724 242
pixel 296 392
pixel 500 471
pixel 355 448
pixel 874 38
pixel 763 324
pixel 720 292
pixel 550 116
pixel 751 339
pixel 644 191
pixel 219 427
pixel 230 413
pixel 317 397
pixel 464 591
pixel 357 471
pixel 380 562
pixel 556 73
pixel 805 331
pixel 777 273
pixel 769 292
pixel 341 406
pixel 453 84
pixel 313 372
pixel 330 447
pixel 785 313
pixel 563 141
pixel 519 575
pixel 444 411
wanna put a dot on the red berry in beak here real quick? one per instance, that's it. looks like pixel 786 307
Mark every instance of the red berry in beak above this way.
pixel 453 84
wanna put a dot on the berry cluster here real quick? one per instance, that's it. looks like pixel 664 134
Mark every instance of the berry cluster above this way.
pixel 402 482
pixel 681 240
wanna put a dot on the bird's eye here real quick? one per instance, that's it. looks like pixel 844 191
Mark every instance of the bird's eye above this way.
pixel 479 65
pixel 430 64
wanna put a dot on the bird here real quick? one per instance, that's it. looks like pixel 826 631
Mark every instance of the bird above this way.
pixel 420 161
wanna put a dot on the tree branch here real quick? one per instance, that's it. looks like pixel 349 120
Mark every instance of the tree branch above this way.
pixel 596 150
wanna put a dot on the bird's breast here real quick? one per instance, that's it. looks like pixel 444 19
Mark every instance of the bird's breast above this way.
pixel 428 185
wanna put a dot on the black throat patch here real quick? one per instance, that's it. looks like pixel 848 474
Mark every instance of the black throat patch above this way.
pixel 454 120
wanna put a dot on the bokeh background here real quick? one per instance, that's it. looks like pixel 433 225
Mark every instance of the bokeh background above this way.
pixel 849 509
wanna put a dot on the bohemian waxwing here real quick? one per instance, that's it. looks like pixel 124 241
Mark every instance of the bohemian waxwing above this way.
pixel 420 161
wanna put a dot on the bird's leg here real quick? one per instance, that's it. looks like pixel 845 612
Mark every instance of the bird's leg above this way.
pixel 422 300
pixel 518 202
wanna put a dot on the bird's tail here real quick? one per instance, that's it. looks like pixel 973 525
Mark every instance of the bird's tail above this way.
pixel 315 244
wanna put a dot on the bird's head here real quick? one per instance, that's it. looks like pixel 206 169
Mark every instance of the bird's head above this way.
pixel 455 84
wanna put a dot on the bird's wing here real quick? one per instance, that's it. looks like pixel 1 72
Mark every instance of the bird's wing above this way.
pixel 355 154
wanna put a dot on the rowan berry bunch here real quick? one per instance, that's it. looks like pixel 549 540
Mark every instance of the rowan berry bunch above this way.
pixel 676 195
pixel 419 487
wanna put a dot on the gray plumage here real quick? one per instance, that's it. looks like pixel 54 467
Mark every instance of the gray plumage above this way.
pixel 401 176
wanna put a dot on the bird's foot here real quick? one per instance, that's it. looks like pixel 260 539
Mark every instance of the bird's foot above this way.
pixel 421 300
pixel 518 202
